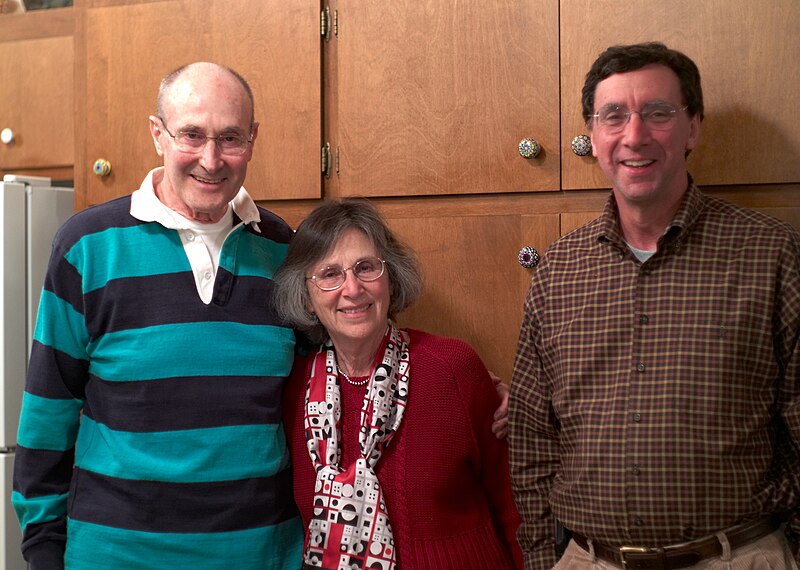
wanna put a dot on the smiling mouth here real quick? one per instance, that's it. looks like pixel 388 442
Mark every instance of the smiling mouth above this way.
pixel 207 180
pixel 637 163
pixel 354 310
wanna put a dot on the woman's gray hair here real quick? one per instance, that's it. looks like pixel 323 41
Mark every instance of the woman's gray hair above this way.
pixel 316 236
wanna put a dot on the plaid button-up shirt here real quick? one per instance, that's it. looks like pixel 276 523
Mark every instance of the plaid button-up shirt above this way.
pixel 654 403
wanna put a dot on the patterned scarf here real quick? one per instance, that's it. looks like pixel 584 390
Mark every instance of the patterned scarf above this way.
pixel 350 526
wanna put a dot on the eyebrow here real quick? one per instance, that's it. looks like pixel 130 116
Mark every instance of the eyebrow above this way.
pixel 651 102
pixel 199 129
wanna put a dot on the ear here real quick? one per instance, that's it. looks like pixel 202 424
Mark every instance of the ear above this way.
pixel 254 134
pixel 591 141
pixel 694 133
pixel 155 132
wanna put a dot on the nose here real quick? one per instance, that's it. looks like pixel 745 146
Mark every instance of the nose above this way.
pixel 210 156
pixel 635 132
pixel 352 285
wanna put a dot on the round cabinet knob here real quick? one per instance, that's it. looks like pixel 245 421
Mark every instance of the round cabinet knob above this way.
pixel 7 136
pixel 101 167
pixel 529 148
pixel 582 145
pixel 528 257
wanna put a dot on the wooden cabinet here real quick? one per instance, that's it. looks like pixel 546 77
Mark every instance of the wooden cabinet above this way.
pixel 36 93
pixel 126 48
pixel 433 98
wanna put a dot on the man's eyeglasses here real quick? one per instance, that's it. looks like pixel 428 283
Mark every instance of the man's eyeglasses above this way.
pixel 194 141
pixel 657 116
pixel 332 277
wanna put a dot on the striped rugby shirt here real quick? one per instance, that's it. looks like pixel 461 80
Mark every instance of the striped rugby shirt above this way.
pixel 151 423
pixel 649 400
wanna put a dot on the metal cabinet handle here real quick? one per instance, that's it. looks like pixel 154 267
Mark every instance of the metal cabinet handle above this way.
pixel 7 136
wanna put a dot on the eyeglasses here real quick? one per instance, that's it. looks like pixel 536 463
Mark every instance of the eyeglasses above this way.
pixel 332 277
pixel 657 116
pixel 192 141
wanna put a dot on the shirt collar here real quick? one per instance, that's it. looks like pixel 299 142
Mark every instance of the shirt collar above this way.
pixel 692 205
pixel 146 206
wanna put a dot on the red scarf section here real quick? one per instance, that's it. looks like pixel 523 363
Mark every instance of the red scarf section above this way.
pixel 350 527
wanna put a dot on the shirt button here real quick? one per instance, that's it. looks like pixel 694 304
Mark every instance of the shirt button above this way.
pixel 637 417
pixel 207 275
pixel 190 236
pixel 638 521
pixel 640 367
pixel 644 319
pixel 646 271
pixel 635 470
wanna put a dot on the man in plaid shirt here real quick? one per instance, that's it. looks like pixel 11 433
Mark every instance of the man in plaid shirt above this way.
pixel 655 400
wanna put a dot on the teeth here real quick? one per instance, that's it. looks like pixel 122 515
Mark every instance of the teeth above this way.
pixel 636 162
pixel 355 310
pixel 206 180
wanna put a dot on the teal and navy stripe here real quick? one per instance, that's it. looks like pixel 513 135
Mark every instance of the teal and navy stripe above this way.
pixel 174 507
pixel 193 401
pixel 151 421
pixel 260 548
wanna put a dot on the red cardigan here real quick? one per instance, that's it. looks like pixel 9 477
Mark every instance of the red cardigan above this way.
pixel 444 474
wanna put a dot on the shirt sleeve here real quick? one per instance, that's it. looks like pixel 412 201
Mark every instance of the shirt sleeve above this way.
pixel 787 335
pixel 533 441
pixel 50 415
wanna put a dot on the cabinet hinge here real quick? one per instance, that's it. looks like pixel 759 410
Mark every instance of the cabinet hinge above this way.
pixel 337 159
pixel 325 160
pixel 325 23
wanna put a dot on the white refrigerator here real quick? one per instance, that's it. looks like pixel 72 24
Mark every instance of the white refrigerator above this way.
pixel 31 210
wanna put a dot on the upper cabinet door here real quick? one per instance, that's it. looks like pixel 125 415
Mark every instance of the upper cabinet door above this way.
pixel 434 96
pixel 747 54
pixel 36 103
pixel 274 44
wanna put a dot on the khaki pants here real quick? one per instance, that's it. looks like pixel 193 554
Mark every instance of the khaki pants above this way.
pixel 768 553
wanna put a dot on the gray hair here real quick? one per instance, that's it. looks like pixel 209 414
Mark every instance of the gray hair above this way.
pixel 170 78
pixel 316 236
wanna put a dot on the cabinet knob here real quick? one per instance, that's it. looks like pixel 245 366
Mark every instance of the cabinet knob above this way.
pixel 102 167
pixel 582 145
pixel 7 136
pixel 528 257
pixel 529 148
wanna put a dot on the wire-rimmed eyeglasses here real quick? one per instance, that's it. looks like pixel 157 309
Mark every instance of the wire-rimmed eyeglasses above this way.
pixel 331 277
pixel 657 115
pixel 194 141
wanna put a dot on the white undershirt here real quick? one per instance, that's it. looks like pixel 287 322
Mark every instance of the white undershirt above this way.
pixel 641 254
pixel 203 243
